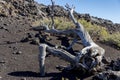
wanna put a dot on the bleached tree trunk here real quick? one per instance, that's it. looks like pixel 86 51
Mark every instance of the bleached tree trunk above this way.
pixel 42 54
pixel 86 39
pixel 91 50
pixel 80 31
pixel 43 48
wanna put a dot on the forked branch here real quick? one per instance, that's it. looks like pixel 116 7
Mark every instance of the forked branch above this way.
pixel 88 58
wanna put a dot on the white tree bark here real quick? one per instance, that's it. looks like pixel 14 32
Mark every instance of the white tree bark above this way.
pixel 91 50
pixel 43 48
pixel 79 31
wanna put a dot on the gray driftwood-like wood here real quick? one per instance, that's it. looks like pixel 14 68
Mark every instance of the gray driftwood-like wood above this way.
pixel 88 58
pixel 52 15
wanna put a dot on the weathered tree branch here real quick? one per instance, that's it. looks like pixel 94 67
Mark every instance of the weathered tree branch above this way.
pixel 56 52
pixel 52 15
pixel 88 58
pixel 80 31
pixel 42 49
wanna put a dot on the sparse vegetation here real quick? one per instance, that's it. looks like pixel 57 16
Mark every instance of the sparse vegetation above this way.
pixel 98 33
pixel 39 22
pixel 60 23
pixel 113 39
pixel 101 33
pixel 63 23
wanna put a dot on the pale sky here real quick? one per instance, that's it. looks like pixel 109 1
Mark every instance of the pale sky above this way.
pixel 107 9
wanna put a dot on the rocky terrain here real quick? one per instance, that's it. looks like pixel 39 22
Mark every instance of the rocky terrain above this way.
pixel 28 8
pixel 18 49
pixel 61 11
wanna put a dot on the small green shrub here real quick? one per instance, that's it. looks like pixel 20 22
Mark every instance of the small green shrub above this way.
pixel 63 23
pixel 38 22
pixel 104 34
pixel 114 39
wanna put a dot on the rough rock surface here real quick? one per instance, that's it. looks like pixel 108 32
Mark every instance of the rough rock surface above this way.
pixel 19 8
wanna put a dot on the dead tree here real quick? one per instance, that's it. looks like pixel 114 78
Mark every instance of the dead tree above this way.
pixel 52 14
pixel 88 58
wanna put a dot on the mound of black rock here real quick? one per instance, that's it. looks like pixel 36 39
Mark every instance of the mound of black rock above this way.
pixel 112 72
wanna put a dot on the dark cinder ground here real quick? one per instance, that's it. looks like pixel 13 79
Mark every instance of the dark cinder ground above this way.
pixel 19 61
